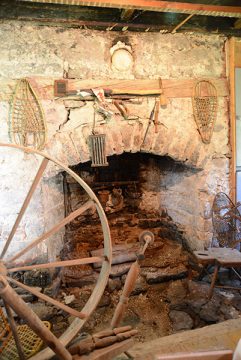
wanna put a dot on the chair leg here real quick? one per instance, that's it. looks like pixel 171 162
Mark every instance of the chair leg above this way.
pixel 203 272
pixel 215 274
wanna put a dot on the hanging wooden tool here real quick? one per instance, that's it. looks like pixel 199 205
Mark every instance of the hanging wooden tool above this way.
pixel 123 109
pixel 204 103
pixel 156 116
pixel 27 120
pixel 151 119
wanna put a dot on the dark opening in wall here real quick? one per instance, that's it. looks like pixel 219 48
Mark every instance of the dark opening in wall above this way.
pixel 145 169
pixel 124 189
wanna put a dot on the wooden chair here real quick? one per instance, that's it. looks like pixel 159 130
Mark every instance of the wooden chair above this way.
pixel 224 251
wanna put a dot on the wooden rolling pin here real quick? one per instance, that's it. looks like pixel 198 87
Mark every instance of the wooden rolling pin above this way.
pixel 102 339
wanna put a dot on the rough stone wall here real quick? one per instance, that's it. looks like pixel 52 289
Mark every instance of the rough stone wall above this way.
pixel 30 50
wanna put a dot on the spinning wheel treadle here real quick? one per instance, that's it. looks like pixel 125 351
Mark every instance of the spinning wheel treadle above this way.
pixel 8 265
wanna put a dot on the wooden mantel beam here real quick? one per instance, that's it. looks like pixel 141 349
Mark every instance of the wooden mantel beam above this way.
pixel 173 88
pixel 155 5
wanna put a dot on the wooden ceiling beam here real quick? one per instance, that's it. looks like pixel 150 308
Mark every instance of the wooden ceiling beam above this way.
pixel 108 25
pixel 155 5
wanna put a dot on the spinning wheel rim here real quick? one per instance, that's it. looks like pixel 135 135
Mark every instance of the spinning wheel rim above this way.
pixel 99 288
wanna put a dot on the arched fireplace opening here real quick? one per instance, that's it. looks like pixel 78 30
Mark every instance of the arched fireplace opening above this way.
pixel 131 189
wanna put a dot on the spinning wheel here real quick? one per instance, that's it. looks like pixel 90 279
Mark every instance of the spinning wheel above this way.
pixel 226 221
pixel 9 265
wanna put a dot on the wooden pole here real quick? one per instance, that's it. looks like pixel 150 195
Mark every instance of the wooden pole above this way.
pixel 232 119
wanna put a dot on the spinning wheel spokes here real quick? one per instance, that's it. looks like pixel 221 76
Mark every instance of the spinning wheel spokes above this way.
pixel 90 260
pixel 56 228
pixel 48 299
pixel 25 204
pixel 11 298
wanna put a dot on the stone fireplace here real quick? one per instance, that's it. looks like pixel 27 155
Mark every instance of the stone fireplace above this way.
pixel 160 178
pixel 171 174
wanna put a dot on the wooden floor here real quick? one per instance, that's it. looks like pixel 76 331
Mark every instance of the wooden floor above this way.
pixel 222 336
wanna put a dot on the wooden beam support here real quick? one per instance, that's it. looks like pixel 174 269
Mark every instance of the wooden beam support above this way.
pixel 172 88
pixel 108 25
pixel 232 110
pixel 155 5
pixel 237 53
pixel 182 23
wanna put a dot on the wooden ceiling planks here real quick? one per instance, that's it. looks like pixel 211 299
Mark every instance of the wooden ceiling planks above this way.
pixel 58 14
pixel 154 5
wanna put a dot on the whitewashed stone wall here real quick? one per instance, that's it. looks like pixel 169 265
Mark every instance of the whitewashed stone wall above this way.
pixel 30 50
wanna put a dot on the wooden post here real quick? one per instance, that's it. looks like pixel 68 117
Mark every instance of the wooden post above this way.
pixel 232 119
